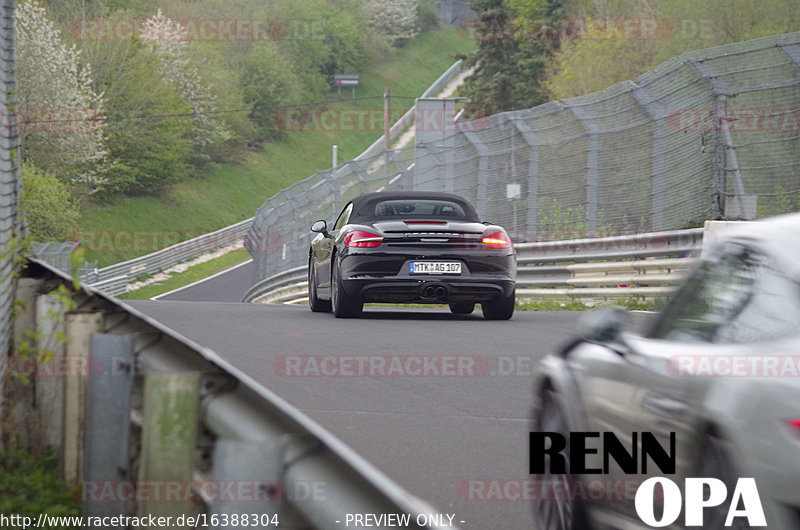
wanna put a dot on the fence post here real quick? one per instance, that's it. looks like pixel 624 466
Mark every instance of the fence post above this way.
pixel 722 140
pixel 659 167
pixel 533 172
pixel 483 172
pixel 719 183
pixel 592 166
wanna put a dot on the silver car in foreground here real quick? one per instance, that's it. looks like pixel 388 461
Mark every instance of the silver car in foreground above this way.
pixel 719 366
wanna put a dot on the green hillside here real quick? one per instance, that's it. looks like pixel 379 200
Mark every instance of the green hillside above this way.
pixel 232 192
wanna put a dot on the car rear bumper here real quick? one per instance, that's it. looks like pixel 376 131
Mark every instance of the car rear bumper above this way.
pixel 387 277
pixel 430 290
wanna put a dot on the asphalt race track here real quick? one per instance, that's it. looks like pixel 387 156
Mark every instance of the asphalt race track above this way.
pixel 450 439
pixel 230 286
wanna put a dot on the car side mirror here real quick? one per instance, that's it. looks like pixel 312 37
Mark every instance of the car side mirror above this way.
pixel 320 227
pixel 605 325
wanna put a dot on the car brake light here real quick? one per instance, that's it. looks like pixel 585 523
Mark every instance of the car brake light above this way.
pixel 497 240
pixel 362 239
pixel 795 424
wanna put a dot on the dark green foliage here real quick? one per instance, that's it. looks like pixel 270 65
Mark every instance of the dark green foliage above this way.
pixel 150 152
pixel 512 55
pixel 51 213
pixel 29 485
pixel 268 83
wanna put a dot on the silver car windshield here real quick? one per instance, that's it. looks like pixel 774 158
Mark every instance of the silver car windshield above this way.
pixel 736 297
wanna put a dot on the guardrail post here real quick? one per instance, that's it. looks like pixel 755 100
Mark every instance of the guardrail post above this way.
pixel 169 439
pixel 49 384
pixel 80 327
pixel 108 410
pixel 18 420
pixel 254 469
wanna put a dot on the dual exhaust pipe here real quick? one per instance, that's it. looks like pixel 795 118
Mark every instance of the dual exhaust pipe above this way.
pixel 434 291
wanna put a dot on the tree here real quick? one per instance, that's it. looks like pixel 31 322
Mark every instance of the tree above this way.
pixel 167 39
pixel 268 82
pixel 514 48
pixel 489 88
pixel 51 213
pixel 61 116
pixel 151 137
pixel 394 19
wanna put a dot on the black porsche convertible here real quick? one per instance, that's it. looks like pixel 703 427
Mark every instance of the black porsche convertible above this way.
pixel 411 247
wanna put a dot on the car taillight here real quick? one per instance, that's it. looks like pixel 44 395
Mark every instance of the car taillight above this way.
pixel 795 424
pixel 362 239
pixel 497 240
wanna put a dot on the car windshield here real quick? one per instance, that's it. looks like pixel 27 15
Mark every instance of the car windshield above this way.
pixel 736 298
pixel 419 208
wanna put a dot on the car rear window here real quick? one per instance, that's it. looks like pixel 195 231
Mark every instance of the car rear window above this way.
pixel 419 208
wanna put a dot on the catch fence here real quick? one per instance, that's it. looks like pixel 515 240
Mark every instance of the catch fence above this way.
pixel 710 134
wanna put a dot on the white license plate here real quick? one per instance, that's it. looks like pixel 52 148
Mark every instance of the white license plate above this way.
pixel 434 267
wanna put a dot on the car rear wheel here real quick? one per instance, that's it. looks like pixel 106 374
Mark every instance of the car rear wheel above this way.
pixel 553 507
pixel 462 308
pixel 500 308
pixel 316 305
pixel 343 306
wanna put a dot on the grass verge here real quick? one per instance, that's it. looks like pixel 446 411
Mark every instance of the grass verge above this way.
pixel 573 304
pixel 191 275
pixel 29 485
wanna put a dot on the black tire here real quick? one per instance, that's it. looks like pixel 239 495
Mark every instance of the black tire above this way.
pixel 500 308
pixel 715 463
pixel 462 308
pixel 343 306
pixel 314 303
pixel 553 507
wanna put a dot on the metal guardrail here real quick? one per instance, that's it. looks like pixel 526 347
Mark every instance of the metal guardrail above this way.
pixel 631 266
pixel 129 376
pixel 114 279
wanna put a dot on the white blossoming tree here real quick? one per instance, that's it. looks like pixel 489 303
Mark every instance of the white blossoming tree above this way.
pixel 394 19
pixel 60 115
pixel 167 40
